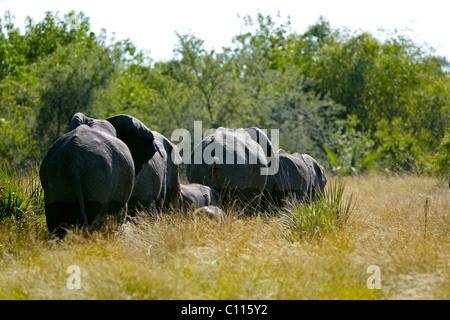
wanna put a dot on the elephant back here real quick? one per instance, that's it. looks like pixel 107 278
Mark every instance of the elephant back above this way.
pixel 94 158
pixel 231 163
pixel 86 175
pixel 291 179
pixel 299 176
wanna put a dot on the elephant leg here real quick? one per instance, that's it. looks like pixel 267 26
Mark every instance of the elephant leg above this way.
pixel 135 205
pixel 61 216
pixel 248 199
pixel 123 214
pixel 112 210
pixel 153 207
pixel 271 200
pixel 250 196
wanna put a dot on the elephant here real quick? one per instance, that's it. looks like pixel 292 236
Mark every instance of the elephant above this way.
pixel 210 211
pixel 157 184
pixel 199 195
pixel 88 173
pixel 234 162
pixel 299 176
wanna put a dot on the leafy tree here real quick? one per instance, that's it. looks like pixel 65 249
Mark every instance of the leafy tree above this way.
pixel 40 39
pixel 17 146
pixel 395 88
pixel 279 94
pixel 45 37
pixel 347 98
pixel 350 151
pixel 211 76
pixel 11 57
pixel 68 79
pixel 441 159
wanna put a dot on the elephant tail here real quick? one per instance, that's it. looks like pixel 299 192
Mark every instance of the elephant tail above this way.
pixel 79 195
pixel 212 168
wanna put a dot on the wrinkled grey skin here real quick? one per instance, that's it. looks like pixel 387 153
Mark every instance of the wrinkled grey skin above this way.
pixel 235 169
pixel 157 184
pixel 299 176
pixel 211 211
pixel 88 173
pixel 199 195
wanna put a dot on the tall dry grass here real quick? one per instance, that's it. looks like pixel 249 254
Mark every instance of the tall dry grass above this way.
pixel 177 256
pixel 403 225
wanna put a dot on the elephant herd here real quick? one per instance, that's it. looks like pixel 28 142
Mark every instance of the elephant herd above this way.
pixel 107 168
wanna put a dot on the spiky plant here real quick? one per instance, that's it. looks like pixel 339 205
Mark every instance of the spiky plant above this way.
pixel 324 213
pixel 21 197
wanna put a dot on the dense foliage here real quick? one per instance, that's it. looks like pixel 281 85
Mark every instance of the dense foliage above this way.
pixel 350 100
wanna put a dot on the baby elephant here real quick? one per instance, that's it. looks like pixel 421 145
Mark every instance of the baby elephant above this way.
pixel 199 195
pixel 212 212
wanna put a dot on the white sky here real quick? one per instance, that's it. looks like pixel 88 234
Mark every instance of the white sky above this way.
pixel 151 25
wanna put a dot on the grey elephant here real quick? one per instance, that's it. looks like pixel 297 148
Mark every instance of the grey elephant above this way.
pixel 89 172
pixel 157 184
pixel 299 176
pixel 235 163
pixel 210 211
pixel 199 195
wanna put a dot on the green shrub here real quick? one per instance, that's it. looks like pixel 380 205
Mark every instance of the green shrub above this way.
pixel 21 199
pixel 350 151
pixel 326 213
pixel 441 159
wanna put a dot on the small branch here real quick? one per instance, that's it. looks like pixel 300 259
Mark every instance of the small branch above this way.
pixel 426 206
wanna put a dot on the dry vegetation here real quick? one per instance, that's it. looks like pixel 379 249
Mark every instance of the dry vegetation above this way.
pixel 180 257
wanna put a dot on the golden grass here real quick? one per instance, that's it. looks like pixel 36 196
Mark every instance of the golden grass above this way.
pixel 182 257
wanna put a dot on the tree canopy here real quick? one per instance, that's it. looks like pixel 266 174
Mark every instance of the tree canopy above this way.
pixel 350 100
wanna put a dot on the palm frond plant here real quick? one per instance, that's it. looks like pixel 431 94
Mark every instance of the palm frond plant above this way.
pixel 323 214
pixel 21 197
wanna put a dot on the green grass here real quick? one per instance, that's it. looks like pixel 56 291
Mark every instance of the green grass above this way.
pixel 316 251
pixel 21 201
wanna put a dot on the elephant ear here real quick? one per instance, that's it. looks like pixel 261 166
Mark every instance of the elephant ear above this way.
pixel 139 139
pixel 98 125
pixel 173 162
pixel 317 172
pixel 168 149
pixel 269 150
pixel 77 120
pixel 320 171
pixel 175 154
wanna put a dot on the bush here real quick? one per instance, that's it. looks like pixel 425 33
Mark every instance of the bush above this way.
pixel 324 214
pixel 21 200
pixel 441 159
pixel 350 151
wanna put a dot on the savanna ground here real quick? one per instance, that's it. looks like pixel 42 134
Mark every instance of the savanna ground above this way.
pixel 400 224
